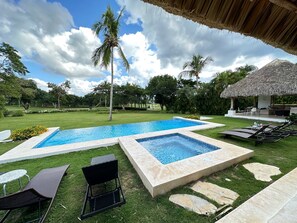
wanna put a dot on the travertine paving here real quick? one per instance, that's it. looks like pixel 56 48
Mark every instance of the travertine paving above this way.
pixel 276 203
pixel 159 178
pixel 214 192
pixel 193 203
pixel 261 171
pixel 288 212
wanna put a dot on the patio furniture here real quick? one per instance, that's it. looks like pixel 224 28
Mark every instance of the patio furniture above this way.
pixel 258 136
pixel 42 187
pixel 4 135
pixel 11 176
pixel 103 186
pixel 271 130
pixel 285 129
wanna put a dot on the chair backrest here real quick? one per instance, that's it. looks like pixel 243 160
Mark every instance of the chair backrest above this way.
pixel 21 199
pixel 100 173
pixel 279 127
pixel 260 130
pixel 286 125
pixel 5 134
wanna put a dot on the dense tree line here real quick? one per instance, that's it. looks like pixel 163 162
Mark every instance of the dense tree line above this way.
pixel 184 96
pixel 174 95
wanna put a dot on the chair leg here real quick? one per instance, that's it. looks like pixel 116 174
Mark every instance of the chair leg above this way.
pixel 5 216
pixel 85 203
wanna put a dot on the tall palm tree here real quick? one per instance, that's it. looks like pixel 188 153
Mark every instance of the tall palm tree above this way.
pixel 109 25
pixel 194 67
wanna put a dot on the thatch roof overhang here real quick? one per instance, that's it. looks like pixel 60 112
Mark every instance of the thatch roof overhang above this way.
pixel 272 21
pixel 279 77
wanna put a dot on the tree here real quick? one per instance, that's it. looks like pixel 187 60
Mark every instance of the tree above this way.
pixel 185 100
pixel 194 67
pixel 109 25
pixel 163 89
pixel 11 62
pixel 59 90
pixel 42 98
pixel 90 99
pixel 208 101
pixel 27 92
pixel 103 89
pixel 10 66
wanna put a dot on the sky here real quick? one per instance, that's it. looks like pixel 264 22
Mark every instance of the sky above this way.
pixel 55 41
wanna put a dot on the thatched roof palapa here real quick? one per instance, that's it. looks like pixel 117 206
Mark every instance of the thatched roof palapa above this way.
pixel 279 77
pixel 272 21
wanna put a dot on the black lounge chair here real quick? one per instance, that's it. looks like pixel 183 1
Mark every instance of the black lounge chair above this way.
pixel 258 136
pixel 104 189
pixel 42 187
pixel 270 131
pixel 284 130
pixel 289 128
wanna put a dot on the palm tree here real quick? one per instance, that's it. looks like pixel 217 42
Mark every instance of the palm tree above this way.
pixel 194 67
pixel 109 25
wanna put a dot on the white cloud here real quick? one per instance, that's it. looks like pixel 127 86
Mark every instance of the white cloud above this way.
pixel 81 87
pixel 40 84
pixel 42 31
pixel 144 61
pixel 177 40
pixel 77 86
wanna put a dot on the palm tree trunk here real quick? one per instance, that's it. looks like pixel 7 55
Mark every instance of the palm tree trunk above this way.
pixel 197 82
pixel 111 87
pixel 59 102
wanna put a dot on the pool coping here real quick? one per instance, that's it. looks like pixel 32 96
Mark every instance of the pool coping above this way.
pixel 160 178
pixel 275 203
pixel 26 149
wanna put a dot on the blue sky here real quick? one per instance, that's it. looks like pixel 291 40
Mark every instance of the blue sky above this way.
pixel 55 41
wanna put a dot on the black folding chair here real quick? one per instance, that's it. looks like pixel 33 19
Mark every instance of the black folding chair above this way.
pixel 104 189
pixel 42 187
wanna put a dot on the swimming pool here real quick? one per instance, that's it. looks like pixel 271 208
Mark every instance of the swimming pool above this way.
pixel 174 147
pixel 110 131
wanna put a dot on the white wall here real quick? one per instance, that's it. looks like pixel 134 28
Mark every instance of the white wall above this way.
pixel 264 101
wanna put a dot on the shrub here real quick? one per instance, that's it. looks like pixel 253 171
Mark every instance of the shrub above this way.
pixel 292 117
pixel 193 117
pixel 129 108
pixel 26 133
pixel 6 113
pixel 17 113
pixel 58 111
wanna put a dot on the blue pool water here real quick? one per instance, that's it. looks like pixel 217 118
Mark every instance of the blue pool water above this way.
pixel 110 131
pixel 174 147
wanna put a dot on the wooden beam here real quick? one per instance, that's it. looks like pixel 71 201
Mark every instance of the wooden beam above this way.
pixel 285 4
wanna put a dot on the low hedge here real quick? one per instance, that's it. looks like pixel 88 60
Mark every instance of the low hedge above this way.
pixel 193 117
pixel 17 113
pixel 129 108
pixel 26 133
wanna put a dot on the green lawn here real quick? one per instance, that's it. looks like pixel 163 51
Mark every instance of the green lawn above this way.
pixel 140 207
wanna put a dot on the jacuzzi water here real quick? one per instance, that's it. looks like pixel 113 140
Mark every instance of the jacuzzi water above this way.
pixel 174 147
pixel 110 131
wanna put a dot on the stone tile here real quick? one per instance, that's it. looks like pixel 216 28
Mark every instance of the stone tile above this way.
pixel 287 213
pixel 273 204
pixel 193 203
pixel 214 192
pixel 261 171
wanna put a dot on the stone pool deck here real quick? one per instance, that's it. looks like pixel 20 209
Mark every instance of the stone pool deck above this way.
pixel 276 203
pixel 26 149
pixel 159 178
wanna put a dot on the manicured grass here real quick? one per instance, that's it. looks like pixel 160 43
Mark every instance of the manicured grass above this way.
pixel 72 120
pixel 140 207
